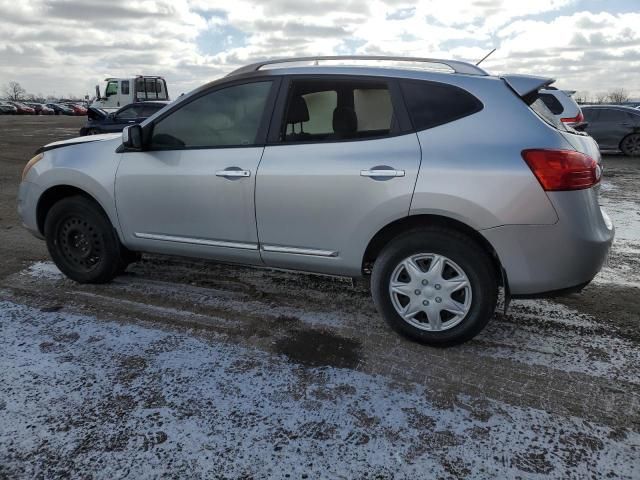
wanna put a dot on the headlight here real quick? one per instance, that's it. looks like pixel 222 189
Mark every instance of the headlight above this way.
pixel 30 164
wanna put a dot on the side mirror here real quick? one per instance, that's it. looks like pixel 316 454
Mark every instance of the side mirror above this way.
pixel 132 137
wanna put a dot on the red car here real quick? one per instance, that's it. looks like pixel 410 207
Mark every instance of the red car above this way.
pixel 23 109
pixel 77 109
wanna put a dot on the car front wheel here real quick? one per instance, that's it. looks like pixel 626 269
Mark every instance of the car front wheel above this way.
pixel 435 285
pixel 82 241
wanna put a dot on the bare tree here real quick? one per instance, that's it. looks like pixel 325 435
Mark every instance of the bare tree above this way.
pixel 581 97
pixel 601 97
pixel 618 95
pixel 14 91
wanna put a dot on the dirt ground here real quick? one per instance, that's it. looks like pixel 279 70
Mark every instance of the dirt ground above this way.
pixel 185 368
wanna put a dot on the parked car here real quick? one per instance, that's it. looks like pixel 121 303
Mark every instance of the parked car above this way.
pixel 40 108
pixel 441 187
pixel 23 109
pixel 101 121
pixel 614 127
pixel 7 109
pixel 563 106
pixel 77 109
pixel 60 109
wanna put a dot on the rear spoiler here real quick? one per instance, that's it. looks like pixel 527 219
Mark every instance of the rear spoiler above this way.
pixel 526 86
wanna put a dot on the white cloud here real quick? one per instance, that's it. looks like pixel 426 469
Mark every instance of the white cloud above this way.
pixel 70 45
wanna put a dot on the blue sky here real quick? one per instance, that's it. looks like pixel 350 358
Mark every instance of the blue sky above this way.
pixel 69 45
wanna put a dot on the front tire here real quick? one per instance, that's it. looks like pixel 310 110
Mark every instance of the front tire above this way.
pixel 435 285
pixel 82 241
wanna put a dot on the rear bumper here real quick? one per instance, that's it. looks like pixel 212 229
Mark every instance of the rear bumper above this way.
pixel 548 260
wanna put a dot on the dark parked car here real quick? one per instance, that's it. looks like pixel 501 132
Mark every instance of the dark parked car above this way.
pixel 60 109
pixel 100 121
pixel 23 109
pixel 614 127
pixel 7 109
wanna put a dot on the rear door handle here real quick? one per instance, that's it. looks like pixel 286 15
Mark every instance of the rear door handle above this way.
pixel 381 173
pixel 233 172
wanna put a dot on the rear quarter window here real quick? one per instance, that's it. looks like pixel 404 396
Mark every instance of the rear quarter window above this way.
pixel 431 103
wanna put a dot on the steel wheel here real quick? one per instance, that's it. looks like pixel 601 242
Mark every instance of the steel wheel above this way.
pixel 631 145
pixel 80 243
pixel 430 292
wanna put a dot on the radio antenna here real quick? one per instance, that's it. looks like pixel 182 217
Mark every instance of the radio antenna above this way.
pixel 486 56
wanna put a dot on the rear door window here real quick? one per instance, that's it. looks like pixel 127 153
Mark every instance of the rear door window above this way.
pixel 613 115
pixel 337 109
pixel 431 103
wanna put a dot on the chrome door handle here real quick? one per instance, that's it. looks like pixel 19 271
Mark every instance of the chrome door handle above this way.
pixel 381 173
pixel 233 173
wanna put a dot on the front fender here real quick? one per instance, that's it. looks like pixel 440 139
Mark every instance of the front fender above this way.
pixel 89 167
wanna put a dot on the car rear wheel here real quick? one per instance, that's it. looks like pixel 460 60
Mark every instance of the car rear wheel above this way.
pixel 630 145
pixel 435 285
pixel 82 241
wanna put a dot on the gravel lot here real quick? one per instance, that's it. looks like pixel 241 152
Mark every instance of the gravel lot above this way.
pixel 190 368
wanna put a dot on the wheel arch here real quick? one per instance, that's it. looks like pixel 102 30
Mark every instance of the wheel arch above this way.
pixel 56 193
pixel 634 132
pixel 404 224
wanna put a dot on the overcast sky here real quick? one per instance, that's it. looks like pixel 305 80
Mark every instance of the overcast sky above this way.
pixel 67 46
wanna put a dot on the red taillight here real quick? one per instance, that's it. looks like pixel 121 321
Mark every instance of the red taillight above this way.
pixel 558 170
pixel 577 119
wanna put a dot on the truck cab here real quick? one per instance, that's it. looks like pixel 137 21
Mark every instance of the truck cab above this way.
pixel 119 92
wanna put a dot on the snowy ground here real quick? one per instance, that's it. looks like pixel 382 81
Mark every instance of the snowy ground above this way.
pixel 184 368
pixel 84 395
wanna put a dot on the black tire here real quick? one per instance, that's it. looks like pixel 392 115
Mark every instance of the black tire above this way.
pixel 82 241
pixel 457 247
pixel 630 145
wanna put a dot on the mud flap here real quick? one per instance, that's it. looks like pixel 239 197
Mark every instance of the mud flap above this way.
pixel 507 291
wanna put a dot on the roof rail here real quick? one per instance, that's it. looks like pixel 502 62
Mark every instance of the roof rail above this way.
pixel 456 65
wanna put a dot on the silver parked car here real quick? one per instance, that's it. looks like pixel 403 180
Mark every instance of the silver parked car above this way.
pixel 563 106
pixel 442 186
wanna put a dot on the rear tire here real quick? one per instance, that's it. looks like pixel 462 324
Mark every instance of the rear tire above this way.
pixel 630 145
pixel 82 241
pixel 435 285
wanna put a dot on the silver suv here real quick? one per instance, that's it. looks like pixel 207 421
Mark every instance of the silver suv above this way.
pixel 442 186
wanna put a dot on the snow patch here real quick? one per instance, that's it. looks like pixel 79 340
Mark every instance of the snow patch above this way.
pixel 46 270
pixel 121 399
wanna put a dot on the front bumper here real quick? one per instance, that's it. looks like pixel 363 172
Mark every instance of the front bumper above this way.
pixel 545 260
pixel 28 196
